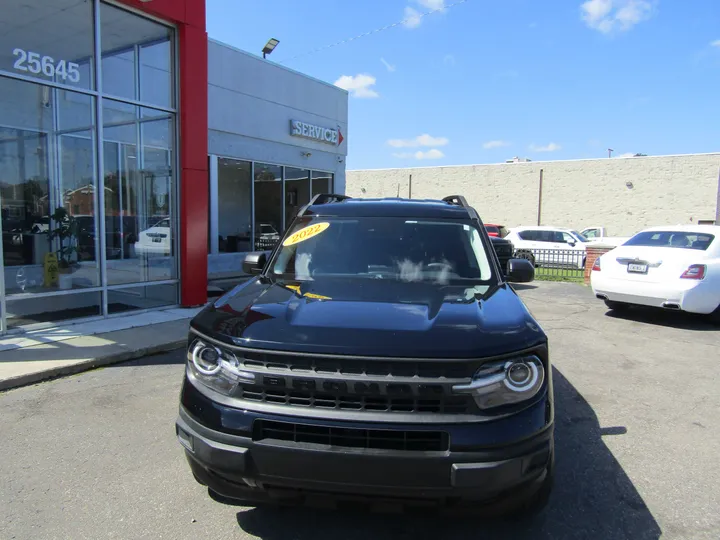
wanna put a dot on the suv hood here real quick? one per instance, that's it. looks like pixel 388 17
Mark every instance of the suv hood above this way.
pixel 372 318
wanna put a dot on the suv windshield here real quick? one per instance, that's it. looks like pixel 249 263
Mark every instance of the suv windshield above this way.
pixel 399 249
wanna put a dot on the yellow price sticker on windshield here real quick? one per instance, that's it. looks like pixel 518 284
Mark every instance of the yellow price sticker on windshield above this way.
pixel 305 234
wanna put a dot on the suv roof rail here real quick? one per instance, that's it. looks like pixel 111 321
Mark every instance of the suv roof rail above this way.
pixel 322 198
pixel 458 200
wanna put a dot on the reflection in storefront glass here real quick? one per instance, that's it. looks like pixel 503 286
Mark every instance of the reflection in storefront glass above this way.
pixel 297 192
pixel 234 205
pixel 40 309
pixel 268 205
pixel 138 195
pixel 50 194
pixel 137 57
pixel 322 182
pixel 50 41
pixel 47 170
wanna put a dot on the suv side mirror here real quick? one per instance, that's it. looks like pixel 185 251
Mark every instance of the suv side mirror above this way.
pixel 571 243
pixel 520 271
pixel 254 262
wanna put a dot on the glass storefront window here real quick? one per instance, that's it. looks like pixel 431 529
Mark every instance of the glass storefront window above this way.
pixel 50 193
pixel 136 298
pixel 139 194
pixel 234 205
pixel 322 182
pixel 297 192
pixel 137 57
pixel 43 309
pixel 50 41
pixel 268 205
pixel 48 184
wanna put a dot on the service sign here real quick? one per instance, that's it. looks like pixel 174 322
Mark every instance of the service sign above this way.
pixel 316 133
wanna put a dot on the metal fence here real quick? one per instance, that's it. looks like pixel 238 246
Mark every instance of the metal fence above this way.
pixel 555 264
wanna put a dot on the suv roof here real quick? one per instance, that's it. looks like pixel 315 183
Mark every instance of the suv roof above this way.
pixel 453 207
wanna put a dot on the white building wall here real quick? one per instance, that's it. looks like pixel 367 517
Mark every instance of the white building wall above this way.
pixel 251 102
pixel 623 194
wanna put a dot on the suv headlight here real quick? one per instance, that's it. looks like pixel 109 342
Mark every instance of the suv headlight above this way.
pixel 216 367
pixel 505 383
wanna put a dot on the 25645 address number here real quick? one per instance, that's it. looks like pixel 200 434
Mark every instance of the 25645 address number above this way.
pixel 36 64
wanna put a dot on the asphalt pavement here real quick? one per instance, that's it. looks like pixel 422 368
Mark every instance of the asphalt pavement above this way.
pixel 94 456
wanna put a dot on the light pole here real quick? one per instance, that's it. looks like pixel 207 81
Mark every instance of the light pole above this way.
pixel 270 46
pixel 610 151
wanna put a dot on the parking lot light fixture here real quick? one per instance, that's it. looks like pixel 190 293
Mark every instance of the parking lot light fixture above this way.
pixel 270 46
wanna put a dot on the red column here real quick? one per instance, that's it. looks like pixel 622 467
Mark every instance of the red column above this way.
pixel 194 182
pixel 189 17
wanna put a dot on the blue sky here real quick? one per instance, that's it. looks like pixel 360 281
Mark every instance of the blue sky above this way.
pixel 485 80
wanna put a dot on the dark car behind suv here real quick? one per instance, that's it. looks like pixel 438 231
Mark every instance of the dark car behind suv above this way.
pixel 378 353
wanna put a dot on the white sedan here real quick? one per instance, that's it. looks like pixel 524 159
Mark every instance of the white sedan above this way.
pixel 156 240
pixel 676 268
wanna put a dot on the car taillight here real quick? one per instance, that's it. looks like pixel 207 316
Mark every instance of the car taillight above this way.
pixel 596 265
pixel 694 271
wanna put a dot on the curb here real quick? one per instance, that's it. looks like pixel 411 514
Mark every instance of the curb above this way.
pixel 90 364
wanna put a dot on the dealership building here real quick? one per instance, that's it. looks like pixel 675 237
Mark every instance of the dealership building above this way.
pixel 138 158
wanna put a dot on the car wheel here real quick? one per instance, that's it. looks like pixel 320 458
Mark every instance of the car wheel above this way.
pixel 617 306
pixel 526 255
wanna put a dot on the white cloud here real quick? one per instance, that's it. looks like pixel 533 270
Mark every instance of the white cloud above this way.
pixel 626 155
pixel 552 147
pixel 495 144
pixel 430 154
pixel 432 4
pixel 413 18
pixel 387 65
pixel 359 86
pixel 420 140
pixel 715 43
pixel 608 16
pixel 449 59
pixel 433 153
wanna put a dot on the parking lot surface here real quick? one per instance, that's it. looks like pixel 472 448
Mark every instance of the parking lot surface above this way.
pixel 638 431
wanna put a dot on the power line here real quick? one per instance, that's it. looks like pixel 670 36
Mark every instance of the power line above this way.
pixel 417 18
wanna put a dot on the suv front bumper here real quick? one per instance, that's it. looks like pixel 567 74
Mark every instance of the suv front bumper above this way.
pixel 236 467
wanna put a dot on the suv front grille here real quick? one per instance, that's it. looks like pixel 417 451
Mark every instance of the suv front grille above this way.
pixel 357 384
pixel 350 366
pixel 417 441
pixel 355 402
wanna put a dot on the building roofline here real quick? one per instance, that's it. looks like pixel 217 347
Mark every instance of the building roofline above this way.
pixel 531 163
pixel 275 64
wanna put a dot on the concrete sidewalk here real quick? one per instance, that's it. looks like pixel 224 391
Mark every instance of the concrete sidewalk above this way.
pixel 64 350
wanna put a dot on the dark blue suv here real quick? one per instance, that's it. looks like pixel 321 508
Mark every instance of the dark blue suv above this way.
pixel 377 353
